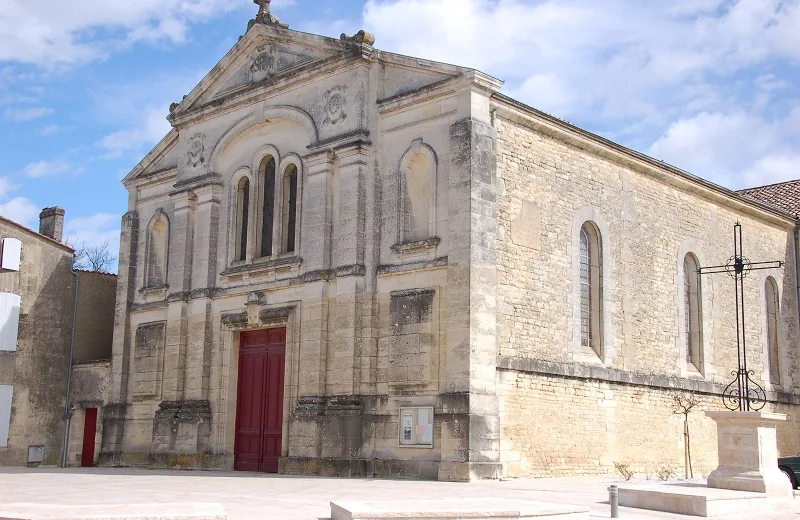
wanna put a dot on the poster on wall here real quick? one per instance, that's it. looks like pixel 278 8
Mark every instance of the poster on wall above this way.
pixel 416 427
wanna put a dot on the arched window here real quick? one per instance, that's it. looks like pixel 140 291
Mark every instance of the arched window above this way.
pixel 157 253
pixel 692 313
pixel 417 193
pixel 771 296
pixel 242 218
pixel 591 288
pixel 289 209
pixel 266 209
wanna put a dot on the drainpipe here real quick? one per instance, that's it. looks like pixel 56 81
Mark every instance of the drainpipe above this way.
pixel 797 260
pixel 67 400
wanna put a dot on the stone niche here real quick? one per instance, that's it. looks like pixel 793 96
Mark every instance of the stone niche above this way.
pixel 413 346
pixel 148 360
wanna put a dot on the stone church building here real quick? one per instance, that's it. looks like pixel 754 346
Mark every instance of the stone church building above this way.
pixel 344 261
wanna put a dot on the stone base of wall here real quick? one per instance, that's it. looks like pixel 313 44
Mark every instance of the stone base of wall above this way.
pixel 553 425
pixel 202 461
pixel 392 468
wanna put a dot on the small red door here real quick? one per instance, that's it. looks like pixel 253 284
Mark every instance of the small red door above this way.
pixel 89 432
pixel 259 408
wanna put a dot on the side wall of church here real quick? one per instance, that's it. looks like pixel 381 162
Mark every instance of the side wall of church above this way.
pixel 568 409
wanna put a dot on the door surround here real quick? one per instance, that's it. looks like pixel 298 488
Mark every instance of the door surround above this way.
pixel 225 371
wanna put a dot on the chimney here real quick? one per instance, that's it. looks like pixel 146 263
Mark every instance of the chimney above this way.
pixel 51 223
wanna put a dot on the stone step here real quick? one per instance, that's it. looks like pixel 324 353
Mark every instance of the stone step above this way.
pixel 462 509
pixel 198 511
pixel 698 500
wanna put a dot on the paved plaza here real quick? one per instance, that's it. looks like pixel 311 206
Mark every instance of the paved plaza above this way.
pixel 256 496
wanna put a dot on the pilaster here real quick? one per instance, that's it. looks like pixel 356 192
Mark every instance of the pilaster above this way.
pixel 473 451
pixel 205 246
pixel 115 414
pixel 180 278
pixel 317 221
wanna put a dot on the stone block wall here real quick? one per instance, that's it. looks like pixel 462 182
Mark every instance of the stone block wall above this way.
pixel 551 181
pixel 37 369
pixel 562 426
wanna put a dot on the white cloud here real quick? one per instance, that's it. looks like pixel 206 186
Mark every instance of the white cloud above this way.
pixel 53 33
pixel 94 230
pixel 736 149
pixel 18 209
pixel 675 72
pixel 41 169
pixel 151 129
pixel 20 115
pixel 51 130
pixel 139 110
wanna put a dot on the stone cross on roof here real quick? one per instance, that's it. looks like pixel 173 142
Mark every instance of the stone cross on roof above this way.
pixel 264 15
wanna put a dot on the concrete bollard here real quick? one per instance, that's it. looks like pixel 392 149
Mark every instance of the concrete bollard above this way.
pixel 613 499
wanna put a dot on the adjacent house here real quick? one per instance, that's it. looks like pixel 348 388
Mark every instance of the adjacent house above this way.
pixel 39 293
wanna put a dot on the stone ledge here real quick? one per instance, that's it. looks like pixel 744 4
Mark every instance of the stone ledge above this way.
pixel 611 375
pixel 419 245
pixel 697 500
pixel 413 266
pixel 471 508
pixel 170 511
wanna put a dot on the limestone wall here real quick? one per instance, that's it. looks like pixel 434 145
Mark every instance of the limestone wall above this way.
pixel 37 370
pixel 551 181
pixel 558 426
pixel 95 325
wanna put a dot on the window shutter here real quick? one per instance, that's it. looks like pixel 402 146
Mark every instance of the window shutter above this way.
pixel 9 321
pixel 11 252
pixel 6 393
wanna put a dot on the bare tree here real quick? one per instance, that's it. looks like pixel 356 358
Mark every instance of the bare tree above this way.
pixel 94 258
pixel 683 404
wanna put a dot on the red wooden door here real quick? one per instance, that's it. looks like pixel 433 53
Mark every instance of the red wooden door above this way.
pixel 259 408
pixel 89 432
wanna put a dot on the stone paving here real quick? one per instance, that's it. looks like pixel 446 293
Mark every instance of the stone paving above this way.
pixel 254 496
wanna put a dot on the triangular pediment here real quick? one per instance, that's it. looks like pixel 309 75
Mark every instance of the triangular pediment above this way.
pixel 264 53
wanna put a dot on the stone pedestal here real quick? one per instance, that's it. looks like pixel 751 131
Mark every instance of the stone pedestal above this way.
pixel 748 453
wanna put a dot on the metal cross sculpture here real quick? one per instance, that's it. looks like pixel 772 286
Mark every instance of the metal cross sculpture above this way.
pixel 742 393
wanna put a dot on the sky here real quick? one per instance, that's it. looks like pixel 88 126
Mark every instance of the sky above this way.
pixel 710 86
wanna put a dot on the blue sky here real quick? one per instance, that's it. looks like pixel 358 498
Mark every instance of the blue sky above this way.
pixel 710 86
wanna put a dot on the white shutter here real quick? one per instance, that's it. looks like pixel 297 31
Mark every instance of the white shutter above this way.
pixel 6 392
pixel 10 255
pixel 9 321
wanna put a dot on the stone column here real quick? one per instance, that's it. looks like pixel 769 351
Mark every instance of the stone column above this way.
pixel 317 213
pixel 472 451
pixel 180 278
pixel 204 275
pixel 344 372
pixel 748 453
pixel 316 238
pixel 115 411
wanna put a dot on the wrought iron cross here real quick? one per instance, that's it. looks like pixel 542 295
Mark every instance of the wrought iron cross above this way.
pixel 742 393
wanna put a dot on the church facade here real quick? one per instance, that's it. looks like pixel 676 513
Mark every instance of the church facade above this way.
pixel 344 261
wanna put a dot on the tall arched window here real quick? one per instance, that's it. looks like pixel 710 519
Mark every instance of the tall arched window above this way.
pixel 242 218
pixel 266 209
pixel 591 288
pixel 157 253
pixel 771 296
pixel 692 313
pixel 289 209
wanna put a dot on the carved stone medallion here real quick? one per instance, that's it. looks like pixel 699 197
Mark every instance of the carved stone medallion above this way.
pixel 264 64
pixel 335 103
pixel 197 149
